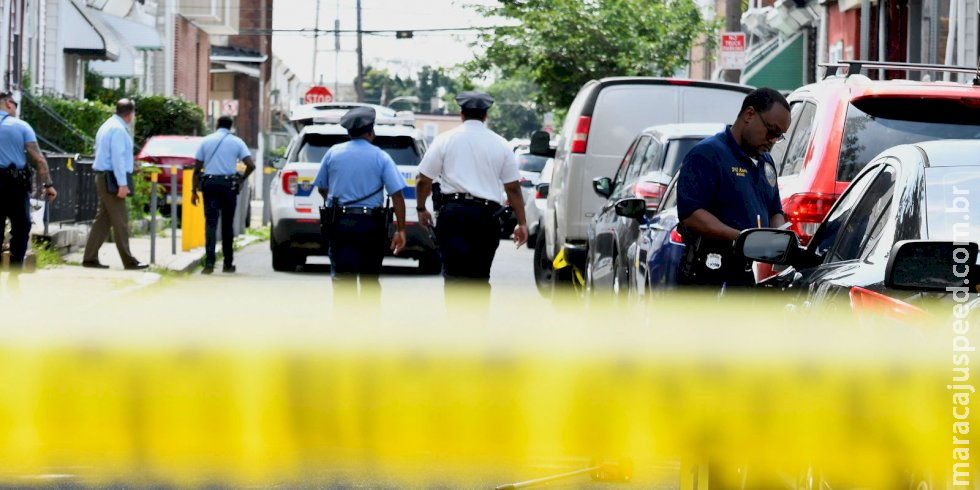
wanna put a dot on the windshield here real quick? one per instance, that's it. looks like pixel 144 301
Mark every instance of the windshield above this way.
pixel 401 148
pixel 167 147
pixel 676 151
pixel 531 163
pixel 874 125
pixel 949 193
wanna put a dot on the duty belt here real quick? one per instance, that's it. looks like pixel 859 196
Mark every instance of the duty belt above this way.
pixel 358 210
pixel 470 198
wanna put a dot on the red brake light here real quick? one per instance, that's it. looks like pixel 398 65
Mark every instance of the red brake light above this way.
pixel 651 191
pixel 290 182
pixel 581 138
pixel 680 82
pixel 805 211
pixel 864 301
pixel 675 237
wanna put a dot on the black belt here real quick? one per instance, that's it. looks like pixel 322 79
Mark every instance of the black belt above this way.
pixel 469 198
pixel 222 177
pixel 359 210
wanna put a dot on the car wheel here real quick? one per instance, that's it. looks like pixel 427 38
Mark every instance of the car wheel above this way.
pixel 430 264
pixel 543 269
pixel 283 259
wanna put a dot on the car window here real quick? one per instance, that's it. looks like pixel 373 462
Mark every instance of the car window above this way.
pixel 633 155
pixel 799 142
pixel 779 149
pixel 402 149
pixel 953 188
pixel 676 151
pixel 867 221
pixel 651 161
pixel 876 124
pixel 826 235
pixel 531 163
pixel 670 197
pixel 176 147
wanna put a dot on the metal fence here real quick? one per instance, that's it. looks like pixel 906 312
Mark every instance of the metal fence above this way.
pixel 74 178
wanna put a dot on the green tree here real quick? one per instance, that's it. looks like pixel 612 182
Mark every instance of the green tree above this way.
pixel 514 113
pixel 562 44
pixel 380 86
pixel 156 114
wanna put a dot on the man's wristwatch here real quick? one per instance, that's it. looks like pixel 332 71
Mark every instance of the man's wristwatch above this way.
pixel 421 208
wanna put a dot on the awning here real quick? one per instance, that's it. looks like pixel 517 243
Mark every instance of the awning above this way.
pixel 228 59
pixel 123 67
pixel 89 37
pixel 140 37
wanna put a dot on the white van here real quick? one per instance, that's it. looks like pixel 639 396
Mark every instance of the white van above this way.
pixel 601 122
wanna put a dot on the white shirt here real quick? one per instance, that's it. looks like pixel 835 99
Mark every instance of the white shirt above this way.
pixel 471 159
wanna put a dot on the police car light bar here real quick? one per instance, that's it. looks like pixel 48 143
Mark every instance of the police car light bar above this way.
pixel 330 113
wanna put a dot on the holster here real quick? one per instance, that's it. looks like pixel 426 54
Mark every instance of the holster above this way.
pixel 437 200
pixel 20 177
pixel 697 266
pixel 328 218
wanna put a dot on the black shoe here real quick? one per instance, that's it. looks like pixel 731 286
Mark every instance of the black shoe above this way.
pixel 228 268
pixel 137 266
pixel 94 265
pixel 208 269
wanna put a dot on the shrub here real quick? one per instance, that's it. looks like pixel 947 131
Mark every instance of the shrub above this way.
pixel 156 114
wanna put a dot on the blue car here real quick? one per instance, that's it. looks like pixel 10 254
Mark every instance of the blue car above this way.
pixel 656 255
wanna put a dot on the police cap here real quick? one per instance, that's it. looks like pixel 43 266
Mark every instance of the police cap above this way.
pixel 473 100
pixel 358 120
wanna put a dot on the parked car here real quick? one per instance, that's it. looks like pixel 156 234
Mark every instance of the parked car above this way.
pixel 650 163
pixel 603 119
pixel 655 257
pixel 535 203
pixel 907 195
pixel 530 167
pixel 295 203
pixel 841 123
pixel 162 153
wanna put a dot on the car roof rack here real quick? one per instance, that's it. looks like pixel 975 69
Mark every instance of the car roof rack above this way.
pixel 855 66
pixel 331 112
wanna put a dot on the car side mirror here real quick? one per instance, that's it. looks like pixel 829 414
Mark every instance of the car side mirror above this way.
pixel 631 207
pixel 541 144
pixel 543 189
pixel 278 163
pixel 923 265
pixel 768 245
pixel 602 186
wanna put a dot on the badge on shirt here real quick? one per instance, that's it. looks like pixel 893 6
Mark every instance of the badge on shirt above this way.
pixel 771 175
pixel 713 262
pixel 739 171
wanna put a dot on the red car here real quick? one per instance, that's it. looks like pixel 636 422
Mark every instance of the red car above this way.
pixel 841 123
pixel 164 152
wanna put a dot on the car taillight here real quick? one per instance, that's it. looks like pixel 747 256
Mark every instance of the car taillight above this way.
pixel 651 191
pixel 675 237
pixel 290 182
pixel 581 138
pixel 805 211
pixel 865 302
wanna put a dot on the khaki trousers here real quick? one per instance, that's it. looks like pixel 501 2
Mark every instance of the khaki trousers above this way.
pixel 112 213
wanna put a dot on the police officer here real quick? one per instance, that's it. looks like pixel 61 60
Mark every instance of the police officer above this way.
pixel 352 179
pixel 727 183
pixel 113 175
pixel 217 159
pixel 471 162
pixel 16 138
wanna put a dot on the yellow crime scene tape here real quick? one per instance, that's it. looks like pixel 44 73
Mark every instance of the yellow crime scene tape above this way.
pixel 238 388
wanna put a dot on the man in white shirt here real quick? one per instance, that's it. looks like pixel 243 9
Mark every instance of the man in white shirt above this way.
pixel 471 162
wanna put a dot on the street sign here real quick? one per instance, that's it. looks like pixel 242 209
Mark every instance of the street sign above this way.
pixel 732 50
pixel 317 94
pixel 229 107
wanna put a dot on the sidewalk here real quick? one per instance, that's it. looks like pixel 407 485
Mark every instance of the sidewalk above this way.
pixel 180 261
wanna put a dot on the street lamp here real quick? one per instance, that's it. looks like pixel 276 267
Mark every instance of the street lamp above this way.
pixel 404 98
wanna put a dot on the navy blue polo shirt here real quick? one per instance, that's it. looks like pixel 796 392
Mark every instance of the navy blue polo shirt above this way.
pixel 720 178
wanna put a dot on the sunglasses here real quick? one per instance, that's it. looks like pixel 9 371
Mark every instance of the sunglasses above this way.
pixel 772 134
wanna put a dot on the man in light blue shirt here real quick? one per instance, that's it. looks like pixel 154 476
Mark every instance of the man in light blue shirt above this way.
pixel 352 179
pixel 16 138
pixel 113 177
pixel 216 173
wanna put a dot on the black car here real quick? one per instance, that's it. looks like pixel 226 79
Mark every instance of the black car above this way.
pixel 651 162
pixel 903 227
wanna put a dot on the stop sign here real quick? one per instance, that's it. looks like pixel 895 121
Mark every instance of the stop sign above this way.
pixel 317 94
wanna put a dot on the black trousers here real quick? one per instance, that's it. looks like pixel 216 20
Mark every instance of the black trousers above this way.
pixel 220 201
pixel 357 247
pixel 468 234
pixel 15 205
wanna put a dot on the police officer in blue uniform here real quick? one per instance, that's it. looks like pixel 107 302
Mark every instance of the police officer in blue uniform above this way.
pixel 727 184
pixel 216 174
pixel 16 138
pixel 352 179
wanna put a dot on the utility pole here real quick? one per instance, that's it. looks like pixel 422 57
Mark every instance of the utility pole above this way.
pixel 733 23
pixel 316 39
pixel 360 57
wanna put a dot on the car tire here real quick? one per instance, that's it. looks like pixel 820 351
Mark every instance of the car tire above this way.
pixel 282 259
pixel 543 269
pixel 430 264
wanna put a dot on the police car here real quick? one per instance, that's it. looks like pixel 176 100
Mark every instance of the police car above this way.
pixel 295 203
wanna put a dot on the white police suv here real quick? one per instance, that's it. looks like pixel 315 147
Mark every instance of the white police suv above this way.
pixel 295 203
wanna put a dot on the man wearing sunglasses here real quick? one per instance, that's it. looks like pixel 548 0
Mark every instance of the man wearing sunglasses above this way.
pixel 17 142
pixel 727 184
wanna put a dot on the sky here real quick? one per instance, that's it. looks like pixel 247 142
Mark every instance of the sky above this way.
pixel 401 56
